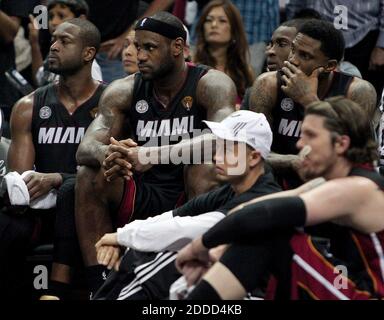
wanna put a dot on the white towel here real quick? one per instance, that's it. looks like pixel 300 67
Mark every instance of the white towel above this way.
pixel 17 189
pixel 19 195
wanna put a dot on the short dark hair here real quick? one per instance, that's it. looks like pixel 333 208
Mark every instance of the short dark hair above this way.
pixel 78 7
pixel 293 23
pixel 345 117
pixel 89 33
pixel 168 18
pixel 332 40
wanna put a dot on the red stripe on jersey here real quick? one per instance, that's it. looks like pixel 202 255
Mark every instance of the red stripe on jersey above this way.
pixel 127 206
pixel 317 275
pixel 371 257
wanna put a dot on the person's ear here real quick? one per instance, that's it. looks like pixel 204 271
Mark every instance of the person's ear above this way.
pixel 342 144
pixel 331 65
pixel 254 158
pixel 178 46
pixel 89 53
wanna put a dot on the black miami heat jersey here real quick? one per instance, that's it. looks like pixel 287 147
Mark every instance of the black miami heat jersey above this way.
pixel 154 125
pixel 288 115
pixel 56 133
pixel 360 255
pixel 363 253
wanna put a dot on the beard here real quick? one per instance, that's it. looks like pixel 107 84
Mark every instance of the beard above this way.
pixel 307 175
pixel 310 173
pixel 59 68
pixel 162 71
pixel 56 69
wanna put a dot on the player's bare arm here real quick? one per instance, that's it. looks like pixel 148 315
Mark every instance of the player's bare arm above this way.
pixel 263 99
pixel 113 106
pixel 264 95
pixel 21 155
pixel 363 93
pixel 217 93
pixel 346 201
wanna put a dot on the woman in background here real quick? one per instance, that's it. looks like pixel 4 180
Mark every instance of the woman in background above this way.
pixel 129 54
pixel 222 44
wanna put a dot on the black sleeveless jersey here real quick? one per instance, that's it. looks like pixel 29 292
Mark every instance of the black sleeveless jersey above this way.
pixel 56 133
pixel 288 115
pixel 361 253
pixel 154 125
pixel 369 173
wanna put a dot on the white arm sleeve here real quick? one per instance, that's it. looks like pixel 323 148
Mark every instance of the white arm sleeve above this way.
pixel 124 234
pixel 171 234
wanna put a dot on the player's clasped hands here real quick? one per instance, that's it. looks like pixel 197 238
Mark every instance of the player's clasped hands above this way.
pixel 120 159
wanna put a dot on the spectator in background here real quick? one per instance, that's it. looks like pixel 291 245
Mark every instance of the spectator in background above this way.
pixel 114 19
pixel 260 18
pixel 129 54
pixel 11 15
pixel 363 34
pixel 222 43
pixel 59 11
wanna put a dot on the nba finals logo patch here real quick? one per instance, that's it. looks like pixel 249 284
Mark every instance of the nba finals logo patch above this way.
pixel 45 112
pixel 94 112
pixel 187 102
pixel 141 106
pixel 287 104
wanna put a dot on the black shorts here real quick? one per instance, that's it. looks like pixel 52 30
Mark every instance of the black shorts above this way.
pixel 142 276
pixel 142 199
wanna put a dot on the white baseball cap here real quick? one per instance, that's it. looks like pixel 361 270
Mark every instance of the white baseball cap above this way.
pixel 245 126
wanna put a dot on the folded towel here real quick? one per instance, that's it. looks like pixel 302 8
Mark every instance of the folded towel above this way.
pixel 19 195
pixel 17 189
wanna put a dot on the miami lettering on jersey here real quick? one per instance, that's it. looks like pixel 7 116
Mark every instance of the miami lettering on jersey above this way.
pixel 61 135
pixel 164 128
pixel 290 128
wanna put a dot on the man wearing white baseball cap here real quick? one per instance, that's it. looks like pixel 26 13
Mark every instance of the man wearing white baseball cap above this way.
pixel 244 141
pixel 245 126
pixel 253 132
